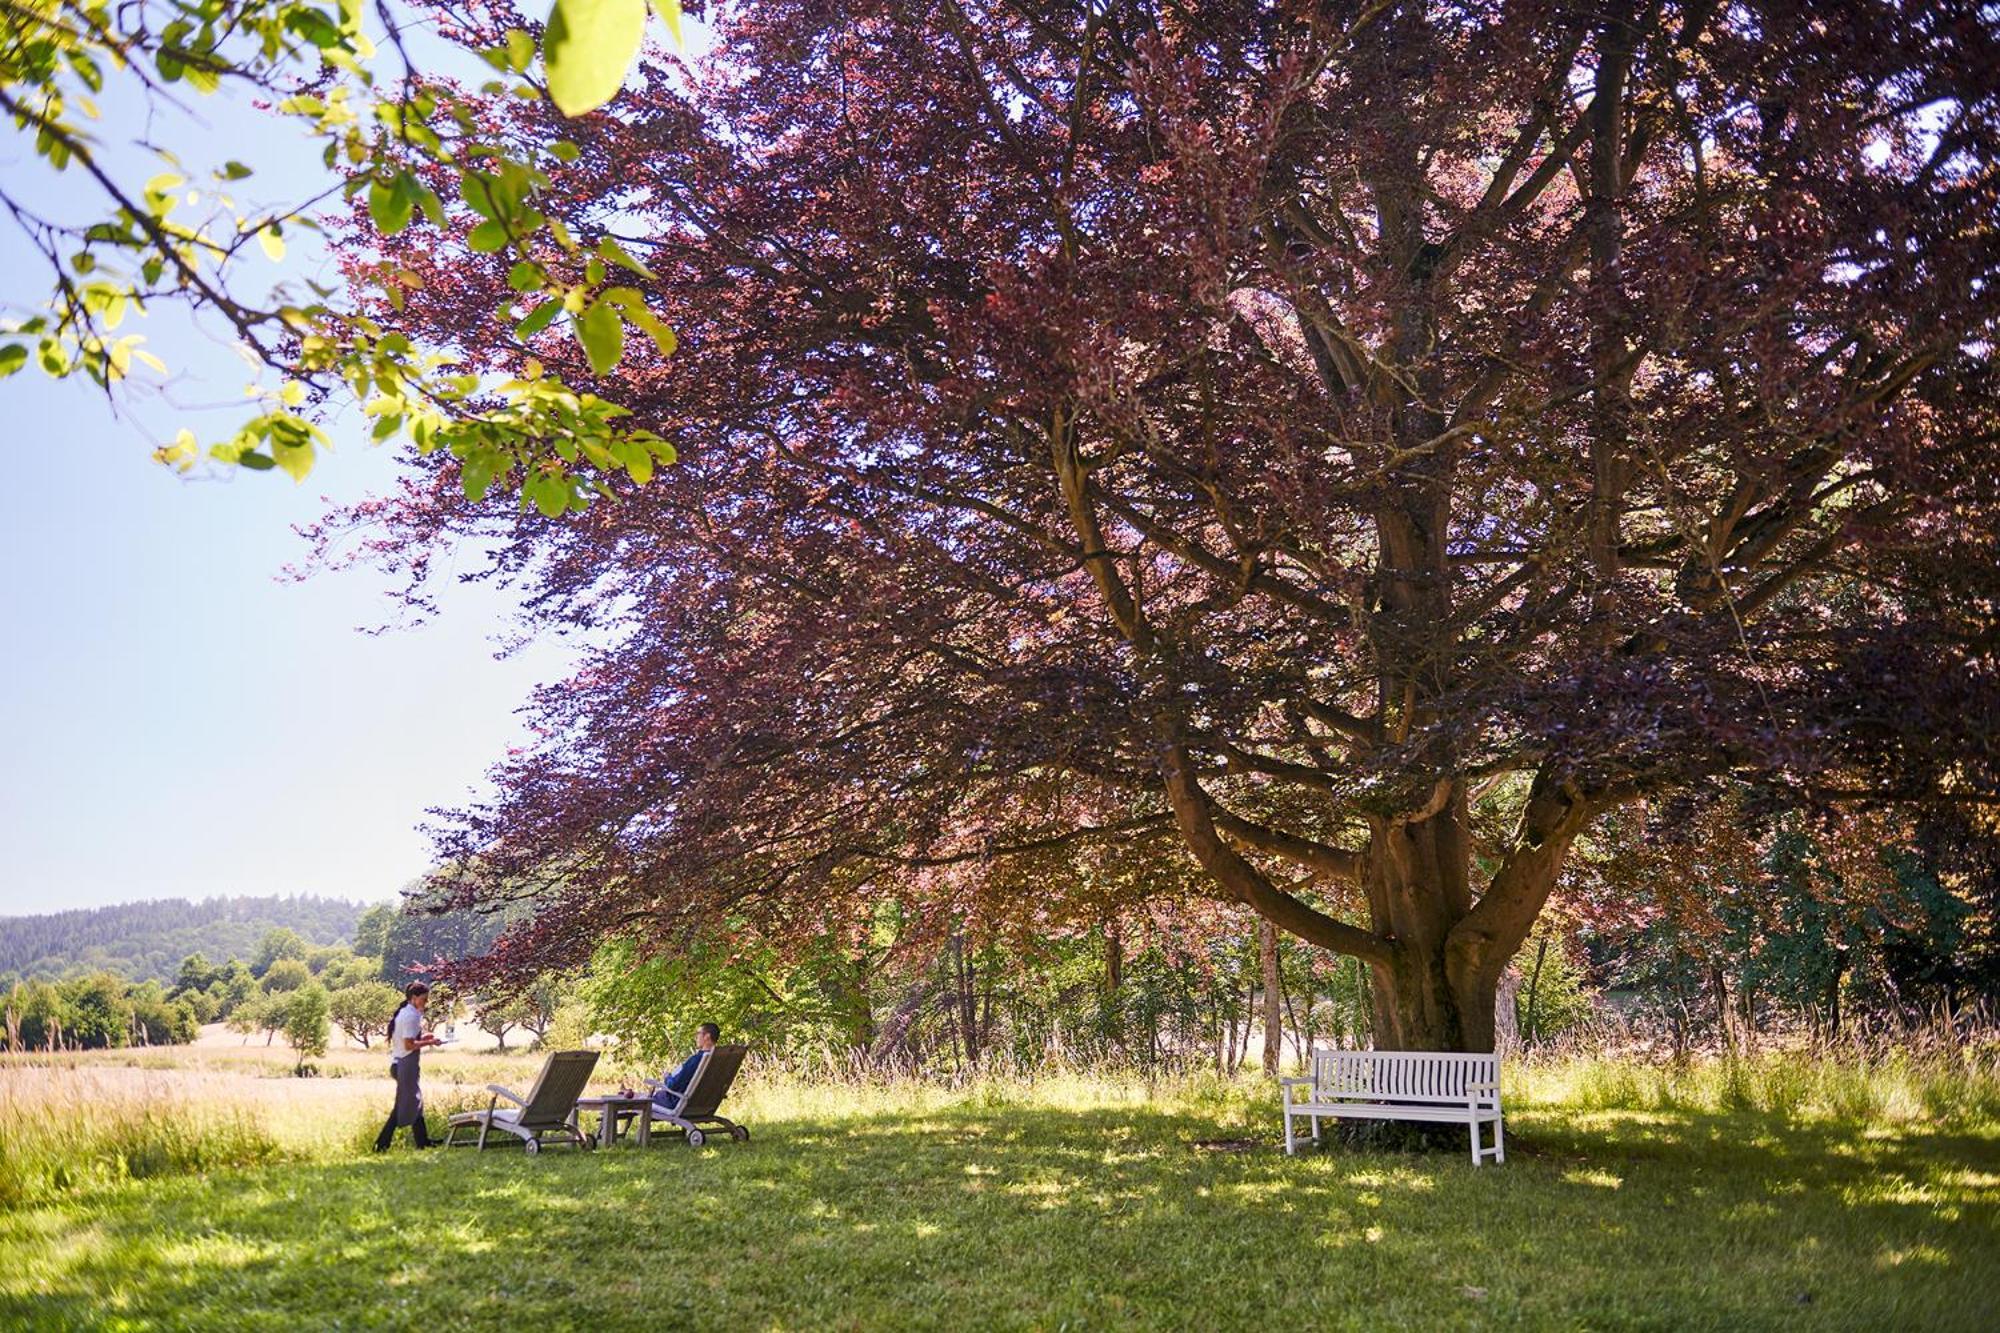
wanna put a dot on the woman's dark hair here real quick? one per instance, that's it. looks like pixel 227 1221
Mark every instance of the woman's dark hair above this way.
pixel 410 992
pixel 714 1032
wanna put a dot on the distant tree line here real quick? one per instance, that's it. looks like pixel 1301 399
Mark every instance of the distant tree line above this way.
pixel 285 984
pixel 147 940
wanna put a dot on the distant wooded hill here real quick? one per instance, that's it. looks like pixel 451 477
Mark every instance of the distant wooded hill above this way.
pixel 149 939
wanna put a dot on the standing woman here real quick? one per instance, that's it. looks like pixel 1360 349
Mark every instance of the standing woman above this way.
pixel 407 1040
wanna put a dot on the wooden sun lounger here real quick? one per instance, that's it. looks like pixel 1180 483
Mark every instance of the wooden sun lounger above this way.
pixel 549 1107
pixel 695 1111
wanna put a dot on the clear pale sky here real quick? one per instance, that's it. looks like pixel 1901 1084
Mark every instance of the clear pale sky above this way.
pixel 174 719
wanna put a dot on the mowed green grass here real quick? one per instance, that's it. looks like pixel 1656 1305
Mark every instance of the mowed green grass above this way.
pixel 1032 1215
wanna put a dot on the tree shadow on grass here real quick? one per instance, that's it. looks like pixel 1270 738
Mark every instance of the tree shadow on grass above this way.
pixel 1037 1218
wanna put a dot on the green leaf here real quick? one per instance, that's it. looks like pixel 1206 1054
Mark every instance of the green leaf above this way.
pixel 483 193
pixel 314 26
pixel 12 357
pixel 617 254
pixel 296 459
pixel 520 50
pixel 433 207
pixel 487 238
pixel 602 334
pixel 272 240
pixel 539 318
pixel 477 478
pixel 639 463
pixel 551 495
pixel 257 462
pixel 670 14
pixel 587 49
pixel 565 150
pixel 234 171
pixel 390 205
pixel 633 303
pixel 526 276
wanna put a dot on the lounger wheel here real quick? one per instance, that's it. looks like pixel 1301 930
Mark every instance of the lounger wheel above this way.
pixel 534 1146
pixel 740 1134
pixel 696 1138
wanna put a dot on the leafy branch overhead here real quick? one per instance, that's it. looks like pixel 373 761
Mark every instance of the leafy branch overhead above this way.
pixel 401 150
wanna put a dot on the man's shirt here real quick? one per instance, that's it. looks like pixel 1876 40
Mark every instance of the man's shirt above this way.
pixel 673 1089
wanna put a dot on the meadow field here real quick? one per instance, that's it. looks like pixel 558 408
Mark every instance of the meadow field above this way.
pixel 205 1188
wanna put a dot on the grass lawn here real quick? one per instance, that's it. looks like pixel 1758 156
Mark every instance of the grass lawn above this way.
pixel 1049 1212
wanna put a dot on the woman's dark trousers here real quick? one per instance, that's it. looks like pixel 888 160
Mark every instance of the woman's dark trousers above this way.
pixel 409 1104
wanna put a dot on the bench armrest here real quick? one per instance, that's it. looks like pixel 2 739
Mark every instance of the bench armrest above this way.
pixel 508 1093
pixel 1482 1087
pixel 1295 1082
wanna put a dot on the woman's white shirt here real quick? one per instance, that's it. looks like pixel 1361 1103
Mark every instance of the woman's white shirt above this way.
pixel 409 1025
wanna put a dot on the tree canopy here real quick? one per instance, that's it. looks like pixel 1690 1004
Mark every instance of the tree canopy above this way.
pixel 1318 458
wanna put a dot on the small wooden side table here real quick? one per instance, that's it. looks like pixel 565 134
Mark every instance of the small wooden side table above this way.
pixel 610 1108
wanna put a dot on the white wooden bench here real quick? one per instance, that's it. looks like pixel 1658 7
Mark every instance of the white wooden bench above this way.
pixel 1400 1085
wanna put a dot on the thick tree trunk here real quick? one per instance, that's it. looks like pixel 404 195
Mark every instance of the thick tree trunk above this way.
pixel 1833 996
pixel 1725 1012
pixel 1437 990
pixel 966 1007
pixel 1506 1025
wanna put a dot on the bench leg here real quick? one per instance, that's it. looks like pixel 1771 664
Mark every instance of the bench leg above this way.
pixel 1475 1140
pixel 1291 1148
pixel 1499 1139
pixel 1315 1121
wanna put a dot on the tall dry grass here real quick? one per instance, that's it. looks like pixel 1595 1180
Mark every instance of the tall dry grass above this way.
pixel 73 1122
pixel 63 1130
pixel 1945 1087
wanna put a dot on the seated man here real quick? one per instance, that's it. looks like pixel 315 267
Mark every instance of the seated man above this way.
pixel 673 1088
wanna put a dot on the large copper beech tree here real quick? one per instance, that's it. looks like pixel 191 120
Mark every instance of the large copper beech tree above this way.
pixel 1250 441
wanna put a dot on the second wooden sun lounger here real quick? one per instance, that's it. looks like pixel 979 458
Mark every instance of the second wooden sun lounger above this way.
pixel 549 1107
pixel 694 1111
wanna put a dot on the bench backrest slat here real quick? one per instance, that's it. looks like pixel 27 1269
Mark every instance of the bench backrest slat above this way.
pixel 1401 1076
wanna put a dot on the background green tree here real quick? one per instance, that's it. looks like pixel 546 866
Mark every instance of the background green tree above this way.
pixel 305 1017
pixel 363 1009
